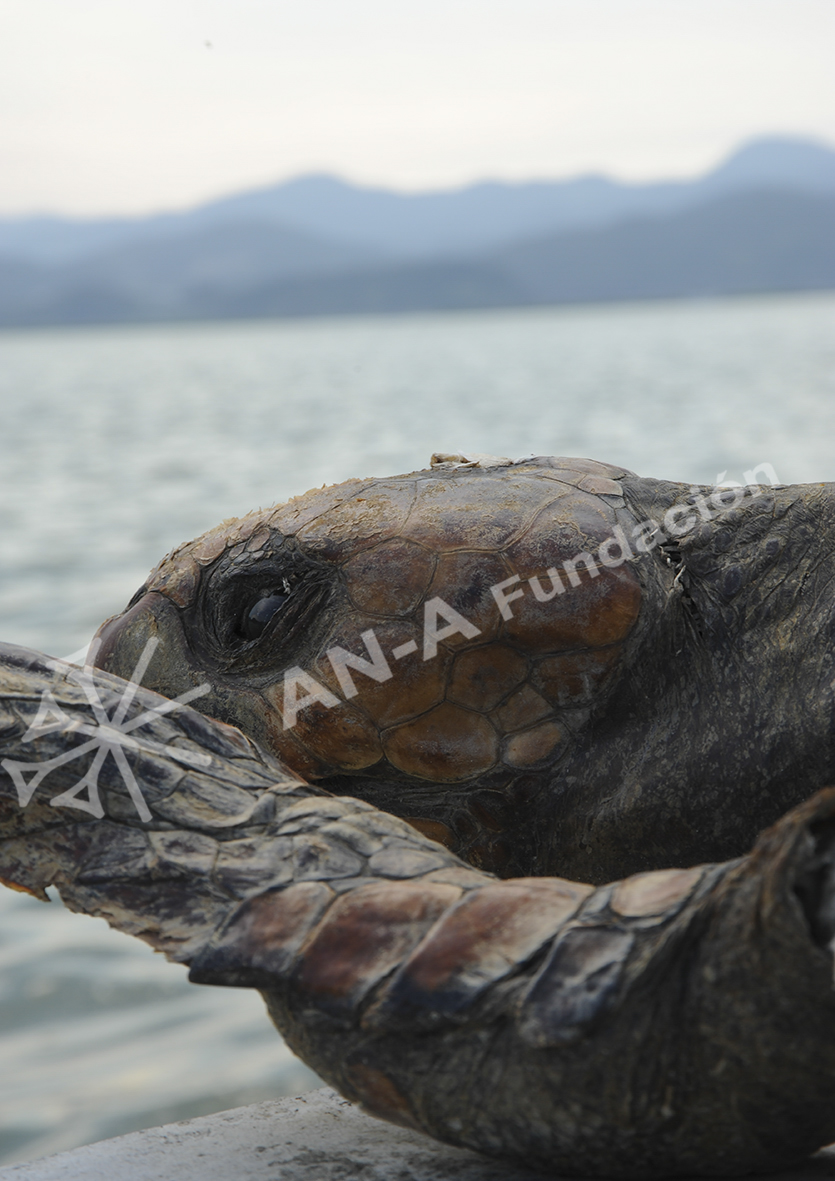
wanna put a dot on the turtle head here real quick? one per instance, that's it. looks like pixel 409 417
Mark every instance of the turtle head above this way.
pixel 550 665
pixel 439 637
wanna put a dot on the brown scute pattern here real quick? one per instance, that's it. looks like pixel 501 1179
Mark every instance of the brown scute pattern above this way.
pixel 534 746
pixel 442 518
pixel 263 937
pixel 400 542
pixel 522 708
pixel 420 683
pixel 366 933
pixel 374 515
pixel 477 943
pixel 348 740
pixel 563 529
pixel 481 677
pixel 391 578
pixel 602 611
pixel 463 580
pixel 448 743
pixel 294 752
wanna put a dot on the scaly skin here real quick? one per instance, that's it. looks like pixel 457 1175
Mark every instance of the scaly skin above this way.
pixel 660 713
pixel 677 1022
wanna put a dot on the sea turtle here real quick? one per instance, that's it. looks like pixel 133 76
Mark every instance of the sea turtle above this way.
pixel 632 708
pixel 550 666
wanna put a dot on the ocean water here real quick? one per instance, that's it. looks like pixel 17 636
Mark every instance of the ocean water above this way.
pixel 116 444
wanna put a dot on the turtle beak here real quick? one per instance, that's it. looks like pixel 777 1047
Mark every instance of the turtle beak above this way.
pixel 146 643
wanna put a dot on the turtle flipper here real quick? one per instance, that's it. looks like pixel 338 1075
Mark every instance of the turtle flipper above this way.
pixel 164 821
pixel 676 1022
pixel 679 1022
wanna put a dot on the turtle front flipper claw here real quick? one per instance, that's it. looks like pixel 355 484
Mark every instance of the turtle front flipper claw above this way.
pixel 677 1022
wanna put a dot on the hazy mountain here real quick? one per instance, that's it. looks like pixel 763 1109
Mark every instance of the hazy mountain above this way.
pixel 489 215
pixel 163 276
pixel 739 244
pixel 229 256
pixel 742 242
pixel 470 220
pixel 776 162
pixel 745 242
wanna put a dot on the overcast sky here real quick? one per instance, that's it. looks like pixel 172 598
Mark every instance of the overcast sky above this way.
pixel 136 105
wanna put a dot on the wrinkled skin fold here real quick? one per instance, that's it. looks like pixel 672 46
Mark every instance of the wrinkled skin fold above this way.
pixel 677 1022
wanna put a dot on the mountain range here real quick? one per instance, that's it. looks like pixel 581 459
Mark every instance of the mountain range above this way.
pixel 764 220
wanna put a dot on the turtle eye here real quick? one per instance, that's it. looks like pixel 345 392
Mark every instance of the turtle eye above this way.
pixel 260 611
pixel 248 617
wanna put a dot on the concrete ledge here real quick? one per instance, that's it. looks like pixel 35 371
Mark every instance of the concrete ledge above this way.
pixel 319 1137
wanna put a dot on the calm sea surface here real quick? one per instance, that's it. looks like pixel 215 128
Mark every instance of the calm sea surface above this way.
pixel 116 444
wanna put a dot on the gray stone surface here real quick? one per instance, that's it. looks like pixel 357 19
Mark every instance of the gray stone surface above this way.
pixel 319 1137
